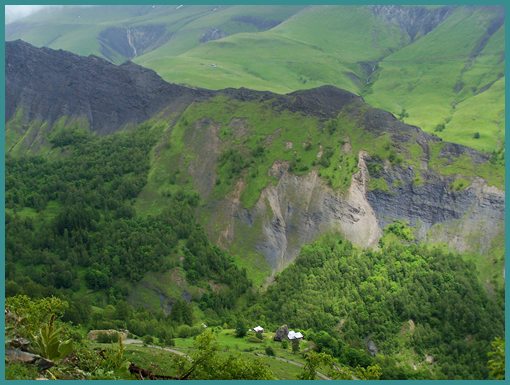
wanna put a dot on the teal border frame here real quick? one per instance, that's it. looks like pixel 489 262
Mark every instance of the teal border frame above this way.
pixel 244 2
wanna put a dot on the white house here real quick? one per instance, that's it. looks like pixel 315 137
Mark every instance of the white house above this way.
pixel 258 329
pixel 294 335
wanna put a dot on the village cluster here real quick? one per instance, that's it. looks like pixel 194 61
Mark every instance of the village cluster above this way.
pixel 281 333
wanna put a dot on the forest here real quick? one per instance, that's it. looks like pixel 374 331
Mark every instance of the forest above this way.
pixel 74 236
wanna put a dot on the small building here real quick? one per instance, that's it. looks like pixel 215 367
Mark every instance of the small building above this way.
pixel 294 335
pixel 258 329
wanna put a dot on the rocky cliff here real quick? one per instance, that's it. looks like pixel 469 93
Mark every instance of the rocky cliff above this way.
pixel 48 84
pixel 391 171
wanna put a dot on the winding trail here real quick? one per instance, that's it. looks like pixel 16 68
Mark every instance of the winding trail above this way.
pixel 130 341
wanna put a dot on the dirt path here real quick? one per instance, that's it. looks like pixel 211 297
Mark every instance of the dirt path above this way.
pixel 130 341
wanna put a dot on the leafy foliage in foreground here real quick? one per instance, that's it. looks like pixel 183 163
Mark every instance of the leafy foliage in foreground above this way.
pixel 207 364
pixel 82 361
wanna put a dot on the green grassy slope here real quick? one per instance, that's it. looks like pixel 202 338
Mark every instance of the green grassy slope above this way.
pixel 441 79
pixel 77 29
pixel 449 81
pixel 319 45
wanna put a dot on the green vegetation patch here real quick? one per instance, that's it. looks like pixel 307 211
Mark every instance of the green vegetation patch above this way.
pixel 378 292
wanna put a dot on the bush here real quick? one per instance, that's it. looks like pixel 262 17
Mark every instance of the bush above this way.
pixel 148 340
pixel 196 330
pixel 285 344
pixel 295 345
pixel 269 351
pixel 253 339
pixel 241 329
pixel 439 127
pixel 107 338
pixel 476 135
pixel 184 331
pixel 19 371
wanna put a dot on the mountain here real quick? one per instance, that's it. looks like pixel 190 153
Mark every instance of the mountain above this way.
pixel 273 172
pixel 85 87
pixel 433 65
pixel 167 210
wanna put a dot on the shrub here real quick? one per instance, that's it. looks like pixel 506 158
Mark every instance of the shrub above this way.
pixel 184 331
pixel 439 127
pixel 269 351
pixel 253 339
pixel 241 329
pixel 148 340
pixel 107 337
pixel 295 345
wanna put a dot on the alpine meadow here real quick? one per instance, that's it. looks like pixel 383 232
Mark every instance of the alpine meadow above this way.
pixel 198 192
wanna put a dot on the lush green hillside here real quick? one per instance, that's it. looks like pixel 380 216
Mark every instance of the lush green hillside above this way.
pixel 438 79
pixel 453 88
pixel 441 68
pixel 72 230
pixel 197 215
pixel 78 29
pixel 411 301
pixel 315 47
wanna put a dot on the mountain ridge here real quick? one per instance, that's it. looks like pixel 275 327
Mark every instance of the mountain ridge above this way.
pixel 391 171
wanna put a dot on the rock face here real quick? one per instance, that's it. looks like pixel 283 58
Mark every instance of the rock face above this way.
pixel 372 348
pixel 212 34
pixel 49 84
pixel 281 333
pixel 300 208
pixel 415 21
pixel 16 355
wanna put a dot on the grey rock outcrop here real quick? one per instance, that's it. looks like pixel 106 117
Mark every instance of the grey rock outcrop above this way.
pixel 415 21
pixel 372 347
pixel 17 355
pixel 20 343
pixel 281 333
pixel 300 208
pixel 212 34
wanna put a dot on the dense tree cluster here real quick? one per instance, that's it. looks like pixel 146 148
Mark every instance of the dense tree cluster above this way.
pixel 346 296
pixel 71 226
